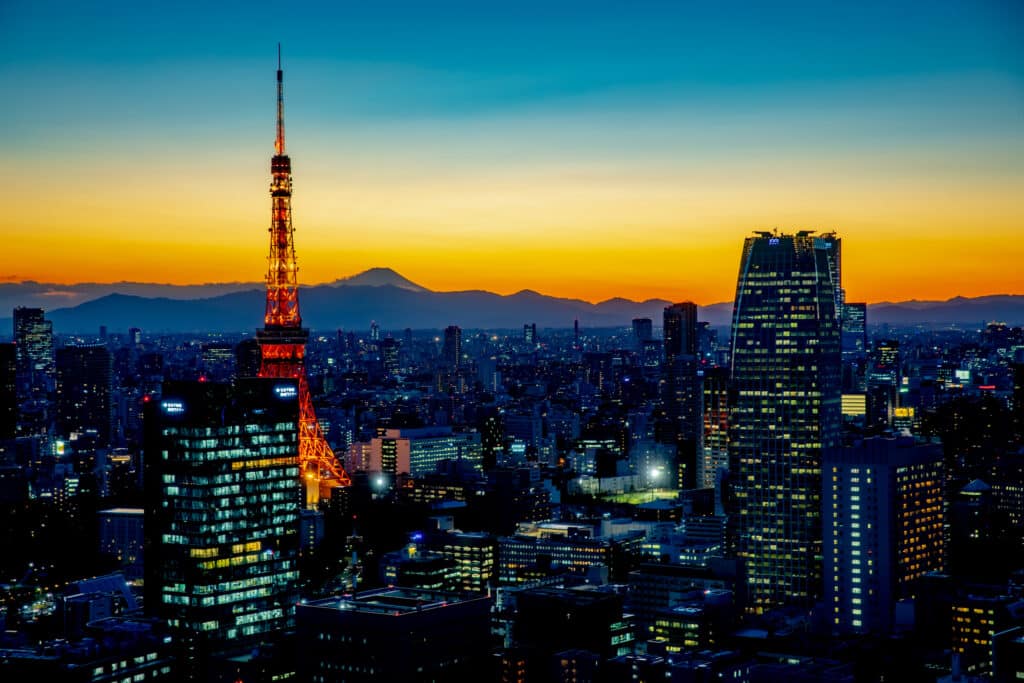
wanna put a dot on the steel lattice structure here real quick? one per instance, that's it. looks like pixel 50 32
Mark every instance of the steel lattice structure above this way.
pixel 283 339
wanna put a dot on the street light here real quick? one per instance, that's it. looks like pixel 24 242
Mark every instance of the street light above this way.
pixel 654 475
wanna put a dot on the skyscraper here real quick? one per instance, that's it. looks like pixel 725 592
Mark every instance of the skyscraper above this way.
pixel 785 411
pixel 1018 401
pixel 33 334
pixel 389 348
pixel 883 384
pixel 855 336
pixel 716 426
pixel 83 390
pixel 530 333
pixel 643 330
pixel 854 348
pixel 680 330
pixel 451 354
pixel 8 392
pixel 222 520
pixel 680 390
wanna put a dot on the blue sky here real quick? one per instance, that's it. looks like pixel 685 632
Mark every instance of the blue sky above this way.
pixel 860 98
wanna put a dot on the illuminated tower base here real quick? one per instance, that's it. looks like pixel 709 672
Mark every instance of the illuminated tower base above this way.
pixel 283 352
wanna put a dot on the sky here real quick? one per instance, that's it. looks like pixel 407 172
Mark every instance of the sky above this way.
pixel 581 149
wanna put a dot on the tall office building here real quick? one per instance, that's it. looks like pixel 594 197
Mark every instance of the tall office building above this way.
pixel 33 334
pixel 1018 401
pixel 218 362
pixel 855 333
pixel 8 391
pixel 83 390
pixel 716 427
pixel 530 333
pixel 854 344
pixel 121 538
pixel 883 384
pixel 247 358
pixel 451 353
pixel 643 331
pixel 389 355
pixel 680 391
pixel 222 520
pixel 680 330
pixel 784 410
pixel 883 528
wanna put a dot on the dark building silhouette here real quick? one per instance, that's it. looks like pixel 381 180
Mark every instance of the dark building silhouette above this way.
pixel 114 648
pixel 785 411
pixel 394 634
pixel 451 353
pixel 83 391
pixel 8 391
pixel 643 330
pixel 247 358
pixel 1018 402
pixel 680 330
pixel 552 620
pixel 982 546
pixel 681 393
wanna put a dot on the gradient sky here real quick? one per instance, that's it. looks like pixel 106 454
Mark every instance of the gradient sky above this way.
pixel 585 149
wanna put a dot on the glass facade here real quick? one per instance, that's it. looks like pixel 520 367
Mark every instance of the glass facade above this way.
pixel 785 409
pixel 223 525
pixel 33 334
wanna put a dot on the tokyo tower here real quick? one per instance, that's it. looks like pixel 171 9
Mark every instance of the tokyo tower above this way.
pixel 282 340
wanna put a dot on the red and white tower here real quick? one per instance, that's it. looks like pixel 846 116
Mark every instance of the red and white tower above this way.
pixel 283 338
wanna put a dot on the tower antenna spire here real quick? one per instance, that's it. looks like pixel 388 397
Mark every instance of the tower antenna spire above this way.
pixel 279 142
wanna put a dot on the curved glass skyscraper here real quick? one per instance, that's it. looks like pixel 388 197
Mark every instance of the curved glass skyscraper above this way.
pixel 784 410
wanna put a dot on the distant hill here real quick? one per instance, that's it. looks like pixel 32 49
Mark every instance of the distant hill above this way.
pixel 396 302
pixel 1007 308
pixel 49 296
pixel 349 307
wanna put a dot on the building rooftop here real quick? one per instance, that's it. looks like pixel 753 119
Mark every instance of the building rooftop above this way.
pixel 122 511
pixel 393 601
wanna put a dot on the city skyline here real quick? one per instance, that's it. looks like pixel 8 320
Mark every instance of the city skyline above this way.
pixel 408 477
pixel 563 151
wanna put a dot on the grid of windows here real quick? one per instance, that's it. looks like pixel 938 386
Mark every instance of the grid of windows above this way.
pixel 227 499
pixel 784 410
